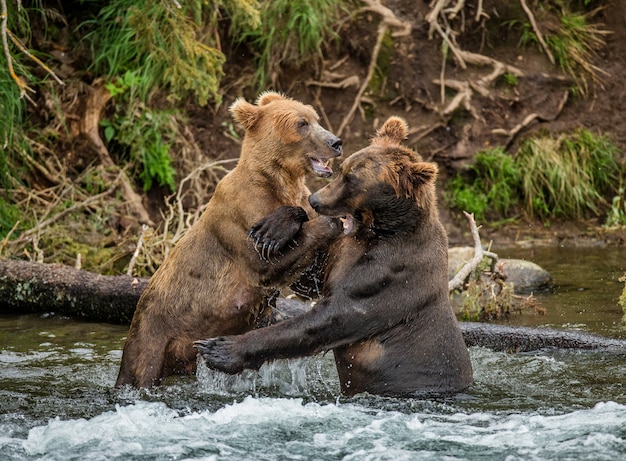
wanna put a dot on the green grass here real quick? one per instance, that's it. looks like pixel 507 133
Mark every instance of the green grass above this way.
pixel 617 213
pixel 491 188
pixel 290 33
pixel 566 177
pixel 167 46
pixel 10 215
pixel 573 41
pixel 622 298
pixel 12 137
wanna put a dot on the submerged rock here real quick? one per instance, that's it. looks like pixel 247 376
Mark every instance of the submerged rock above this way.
pixel 525 276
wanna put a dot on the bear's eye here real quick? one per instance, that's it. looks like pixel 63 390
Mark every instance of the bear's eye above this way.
pixel 302 123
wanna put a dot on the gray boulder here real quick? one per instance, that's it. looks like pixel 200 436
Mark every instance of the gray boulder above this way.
pixel 525 276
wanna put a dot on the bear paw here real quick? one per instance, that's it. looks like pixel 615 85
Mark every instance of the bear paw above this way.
pixel 221 354
pixel 272 233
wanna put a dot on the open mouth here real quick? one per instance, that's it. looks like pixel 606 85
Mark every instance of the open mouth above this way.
pixel 321 168
pixel 348 223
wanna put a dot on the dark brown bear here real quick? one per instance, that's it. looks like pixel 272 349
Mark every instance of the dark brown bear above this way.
pixel 385 310
pixel 215 281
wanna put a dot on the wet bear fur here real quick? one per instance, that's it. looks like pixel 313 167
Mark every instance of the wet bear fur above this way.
pixel 385 309
pixel 217 280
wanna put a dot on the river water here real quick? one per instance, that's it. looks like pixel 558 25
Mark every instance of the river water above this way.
pixel 57 400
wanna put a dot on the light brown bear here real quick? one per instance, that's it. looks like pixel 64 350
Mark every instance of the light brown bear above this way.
pixel 217 281
pixel 385 309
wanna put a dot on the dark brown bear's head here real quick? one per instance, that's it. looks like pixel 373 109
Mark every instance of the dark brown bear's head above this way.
pixel 282 133
pixel 383 187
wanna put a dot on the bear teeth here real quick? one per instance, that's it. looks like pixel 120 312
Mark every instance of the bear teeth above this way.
pixel 321 168
pixel 348 223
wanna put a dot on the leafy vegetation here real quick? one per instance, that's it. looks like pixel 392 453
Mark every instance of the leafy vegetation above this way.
pixel 290 33
pixel 165 45
pixel 550 177
pixel 163 60
pixel 156 59
pixel 144 134
pixel 568 177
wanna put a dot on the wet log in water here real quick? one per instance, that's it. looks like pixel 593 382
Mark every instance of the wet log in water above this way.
pixel 524 339
pixel 27 287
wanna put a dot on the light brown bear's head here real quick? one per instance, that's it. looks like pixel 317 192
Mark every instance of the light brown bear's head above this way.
pixel 282 133
pixel 384 186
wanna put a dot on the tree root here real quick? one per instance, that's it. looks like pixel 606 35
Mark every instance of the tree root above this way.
pixel 97 98
pixel 440 13
pixel 389 19
pixel 536 30
pixel 513 132
pixel 462 98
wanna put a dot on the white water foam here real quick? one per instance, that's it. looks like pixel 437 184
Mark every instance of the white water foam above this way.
pixel 279 428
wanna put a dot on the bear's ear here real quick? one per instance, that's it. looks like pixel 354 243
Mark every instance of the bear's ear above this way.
pixel 395 129
pixel 414 175
pixel 245 113
pixel 268 96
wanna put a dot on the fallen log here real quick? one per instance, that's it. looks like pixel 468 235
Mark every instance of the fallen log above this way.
pixel 28 287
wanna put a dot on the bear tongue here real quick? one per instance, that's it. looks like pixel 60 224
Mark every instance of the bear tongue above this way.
pixel 348 224
pixel 321 168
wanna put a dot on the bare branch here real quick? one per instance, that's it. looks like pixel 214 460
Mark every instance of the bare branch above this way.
pixel 459 279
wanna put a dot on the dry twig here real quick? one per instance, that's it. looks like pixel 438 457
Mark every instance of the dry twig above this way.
pixel 133 260
pixel 77 206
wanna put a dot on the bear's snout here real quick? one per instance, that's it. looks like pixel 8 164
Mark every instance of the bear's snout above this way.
pixel 335 144
pixel 314 201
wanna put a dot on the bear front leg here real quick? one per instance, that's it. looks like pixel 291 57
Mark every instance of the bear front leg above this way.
pixel 272 233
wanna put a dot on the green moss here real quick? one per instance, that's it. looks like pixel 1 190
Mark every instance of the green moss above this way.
pixel 11 218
